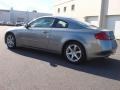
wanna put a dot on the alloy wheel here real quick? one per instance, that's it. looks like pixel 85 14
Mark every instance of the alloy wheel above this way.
pixel 73 52
pixel 10 41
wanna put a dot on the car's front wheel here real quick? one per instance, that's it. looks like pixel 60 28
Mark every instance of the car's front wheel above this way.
pixel 74 52
pixel 10 41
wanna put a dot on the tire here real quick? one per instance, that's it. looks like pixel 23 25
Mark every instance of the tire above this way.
pixel 105 58
pixel 10 41
pixel 74 52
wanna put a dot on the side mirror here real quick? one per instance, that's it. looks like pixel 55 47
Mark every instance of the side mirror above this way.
pixel 27 26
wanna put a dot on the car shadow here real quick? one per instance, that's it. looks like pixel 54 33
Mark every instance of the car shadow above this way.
pixel 108 68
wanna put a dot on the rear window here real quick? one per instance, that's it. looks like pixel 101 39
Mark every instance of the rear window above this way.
pixel 86 26
pixel 83 25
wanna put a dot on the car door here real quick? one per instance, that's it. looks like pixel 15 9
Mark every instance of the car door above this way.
pixel 56 35
pixel 37 33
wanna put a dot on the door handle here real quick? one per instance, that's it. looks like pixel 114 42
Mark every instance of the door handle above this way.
pixel 45 32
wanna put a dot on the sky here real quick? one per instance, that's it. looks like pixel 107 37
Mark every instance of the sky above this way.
pixel 45 6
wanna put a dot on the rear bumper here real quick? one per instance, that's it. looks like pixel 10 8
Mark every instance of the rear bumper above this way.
pixel 105 53
pixel 103 49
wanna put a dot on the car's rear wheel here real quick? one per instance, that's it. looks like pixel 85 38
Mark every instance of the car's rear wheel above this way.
pixel 10 41
pixel 74 52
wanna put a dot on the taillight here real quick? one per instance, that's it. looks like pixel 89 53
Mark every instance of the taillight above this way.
pixel 102 36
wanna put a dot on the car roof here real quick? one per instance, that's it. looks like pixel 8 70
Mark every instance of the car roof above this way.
pixel 67 19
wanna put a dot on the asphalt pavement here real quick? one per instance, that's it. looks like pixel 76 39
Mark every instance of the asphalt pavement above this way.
pixel 26 69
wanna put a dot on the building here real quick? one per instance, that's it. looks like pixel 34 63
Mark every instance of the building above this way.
pixel 14 16
pixel 102 13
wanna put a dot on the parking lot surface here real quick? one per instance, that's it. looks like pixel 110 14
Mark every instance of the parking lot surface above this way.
pixel 26 69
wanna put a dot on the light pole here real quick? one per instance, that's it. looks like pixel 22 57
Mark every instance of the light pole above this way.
pixel 12 16
pixel 103 13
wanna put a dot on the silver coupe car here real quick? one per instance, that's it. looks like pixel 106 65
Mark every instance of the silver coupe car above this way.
pixel 75 40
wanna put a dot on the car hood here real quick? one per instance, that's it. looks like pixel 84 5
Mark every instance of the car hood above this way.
pixel 15 28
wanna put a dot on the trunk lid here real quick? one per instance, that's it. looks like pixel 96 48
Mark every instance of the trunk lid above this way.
pixel 110 33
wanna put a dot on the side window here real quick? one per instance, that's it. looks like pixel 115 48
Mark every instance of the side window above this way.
pixel 60 24
pixel 42 23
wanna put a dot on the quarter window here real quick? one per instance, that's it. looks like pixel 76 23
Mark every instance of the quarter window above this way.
pixel 60 24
